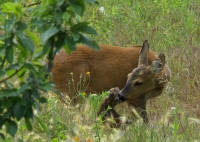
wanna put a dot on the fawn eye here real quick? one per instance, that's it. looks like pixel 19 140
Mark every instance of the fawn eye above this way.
pixel 137 83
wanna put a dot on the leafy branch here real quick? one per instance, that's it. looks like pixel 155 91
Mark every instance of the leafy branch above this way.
pixel 2 81
pixel 33 4
pixel 57 25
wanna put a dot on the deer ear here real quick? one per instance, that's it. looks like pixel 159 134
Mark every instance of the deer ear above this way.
pixel 143 57
pixel 161 58
pixel 158 63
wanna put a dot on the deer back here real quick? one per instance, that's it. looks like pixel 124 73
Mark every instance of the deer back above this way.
pixel 101 70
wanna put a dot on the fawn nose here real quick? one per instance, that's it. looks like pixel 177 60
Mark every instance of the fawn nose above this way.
pixel 121 98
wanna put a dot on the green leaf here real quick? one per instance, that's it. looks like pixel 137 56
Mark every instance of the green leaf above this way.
pixel 34 37
pixel 66 16
pixel 91 1
pixel 45 86
pixel 9 53
pixel 20 58
pixel 9 72
pixel 14 66
pixel 59 43
pixel 88 41
pixel 22 102
pixel 70 43
pixel 79 25
pixel 8 93
pixel 46 48
pixel 67 49
pixel 6 104
pixel 23 88
pixel 76 36
pixel 24 52
pixel 49 33
pixel 58 17
pixel 7 113
pixel 7 43
pixel 43 100
pixel 28 123
pixel 8 25
pixel 20 27
pixel 87 29
pixel 42 124
pixel 27 43
pixel 77 9
pixel 11 127
pixel 29 66
pixel 2 136
pixel 16 109
pixel 21 73
pixel 13 8
pixel 44 51
pixel 37 107
pixel 39 23
pixel 19 111
pixel 2 72
pixel 43 11
pixel 29 112
pixel 35 94
pixel 2 40
pixel 2 122
pixel 38 55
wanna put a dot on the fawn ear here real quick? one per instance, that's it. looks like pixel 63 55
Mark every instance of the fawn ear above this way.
pixel 158 63
pixel 143 57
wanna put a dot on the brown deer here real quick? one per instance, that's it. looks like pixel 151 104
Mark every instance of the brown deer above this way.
pixel 109 67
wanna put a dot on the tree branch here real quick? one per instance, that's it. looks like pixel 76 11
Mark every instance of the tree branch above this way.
pixel 36 3
pixel 3 62
pixel 50 57
pixel 11 75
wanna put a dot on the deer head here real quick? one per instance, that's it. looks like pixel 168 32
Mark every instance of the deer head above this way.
pixel 143 78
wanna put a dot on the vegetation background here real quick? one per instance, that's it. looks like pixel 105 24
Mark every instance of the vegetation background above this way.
pixel 172 27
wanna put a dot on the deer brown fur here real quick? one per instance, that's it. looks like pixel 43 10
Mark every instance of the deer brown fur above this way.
pixel 109 68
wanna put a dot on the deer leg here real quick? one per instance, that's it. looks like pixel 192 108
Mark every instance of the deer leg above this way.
pixel 139 103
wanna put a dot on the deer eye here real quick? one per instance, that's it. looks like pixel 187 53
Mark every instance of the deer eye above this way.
pixel 137 83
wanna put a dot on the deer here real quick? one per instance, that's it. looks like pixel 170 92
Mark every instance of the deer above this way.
pixel 137 71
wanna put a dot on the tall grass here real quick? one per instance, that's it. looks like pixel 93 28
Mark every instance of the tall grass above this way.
pixel 172 27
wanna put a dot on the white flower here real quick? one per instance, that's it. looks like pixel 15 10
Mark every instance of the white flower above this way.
pixel 101 9
pixel 173 108
pixel 51 121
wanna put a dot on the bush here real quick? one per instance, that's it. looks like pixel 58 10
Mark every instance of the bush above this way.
pixel 28 34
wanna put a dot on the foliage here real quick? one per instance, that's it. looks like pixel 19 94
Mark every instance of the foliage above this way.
pixel 174 116
pixel 172 27
pixel 30 34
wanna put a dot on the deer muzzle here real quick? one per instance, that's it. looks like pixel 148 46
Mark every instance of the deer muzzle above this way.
pixel 121 97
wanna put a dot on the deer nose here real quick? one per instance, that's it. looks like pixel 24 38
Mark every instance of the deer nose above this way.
pixel 121 98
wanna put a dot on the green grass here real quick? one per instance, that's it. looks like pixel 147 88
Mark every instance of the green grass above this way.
pixel 172 27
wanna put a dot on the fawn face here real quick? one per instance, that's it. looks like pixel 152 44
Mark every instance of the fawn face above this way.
pixel 143 78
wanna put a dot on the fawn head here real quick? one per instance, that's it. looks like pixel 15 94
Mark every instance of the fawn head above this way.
pixel 143 78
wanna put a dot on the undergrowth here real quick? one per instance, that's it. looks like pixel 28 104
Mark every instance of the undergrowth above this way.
pixel 172 27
